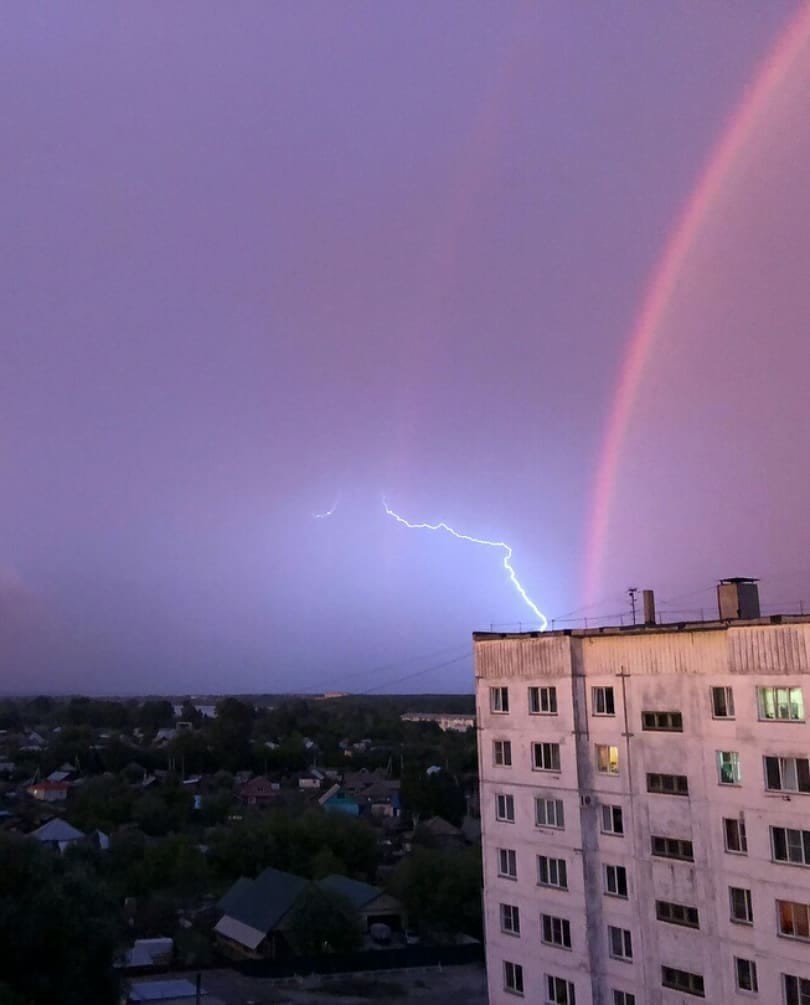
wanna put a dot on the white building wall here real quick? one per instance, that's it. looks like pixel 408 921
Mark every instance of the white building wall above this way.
pixel 649 670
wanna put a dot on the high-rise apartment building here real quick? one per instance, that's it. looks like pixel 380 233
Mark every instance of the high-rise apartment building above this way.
pixel 645 801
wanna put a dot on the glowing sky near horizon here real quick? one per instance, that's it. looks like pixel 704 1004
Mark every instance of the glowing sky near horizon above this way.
pixel 249 260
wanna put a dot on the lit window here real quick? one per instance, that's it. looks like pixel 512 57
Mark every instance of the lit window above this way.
pixel 543 700
pixel 728 767
pixel 722 703
pixel 607 759
pixel 794 919
pixel 602 701
pixel 782 703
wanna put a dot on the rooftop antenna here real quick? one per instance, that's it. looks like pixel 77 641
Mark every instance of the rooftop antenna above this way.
pixel 631 593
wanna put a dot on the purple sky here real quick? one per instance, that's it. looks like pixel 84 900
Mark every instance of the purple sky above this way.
pixel 255 254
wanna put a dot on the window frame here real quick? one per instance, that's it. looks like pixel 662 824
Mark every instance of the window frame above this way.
pixel 728 699
pixel 672 845
pixel 626 938
pixel 689 987
pixel 551 864
pixel 672 913
pixel 619 880
pixel 802 842
pixel 504 749
pixel 742 836
pixel 607 696
pixel 497 704
pixel 560 991
pixel 551 926
pixel 783 766
pixel 656 784
pixel 510 919
pixel 773 691
pixel 505 807
pixel 752 975
pixel 559 813
pixel 612 809
pixel 540 694
pixel 798 910
pixel 511 860
pixel 728 759
pixel 798 993
pixel 553 749
pixel 747 915
pixel 609 747
pixel 513 978
pixel 658 721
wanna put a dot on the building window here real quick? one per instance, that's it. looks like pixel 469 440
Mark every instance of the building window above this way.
pixel 787 774
pixel 502 753
pixel 513 977
pixel 499 699
pixel 607 759
pixel 552 872
pixel 728 767
pixel 664 847
pixel 676 914
pixel 602 701
pixel 612 820
pixel 559 991
pixel 669 785
pixel 734 835
pixel 546 756
pixel 620 943
pixel 794 919
pixel 549 813
pixel 555 931
pixel 505 808
pixel 662 722
pixel 510 919
pixel 783 703
pixel 623 998
pixel 682 980
pixel 746 974
pixel 796 990
pixel 543 700
pixel 722 703
pixel 507 863
pixel 742 910
pixel 616 880
pixel 789 845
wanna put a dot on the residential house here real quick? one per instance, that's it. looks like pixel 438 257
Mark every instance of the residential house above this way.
pixel 49 792
pixel 58 834
pixel 336 800
pixel 169 992
pixel 256 912
pixel 147 954
pixel 259 791
pixel 376 794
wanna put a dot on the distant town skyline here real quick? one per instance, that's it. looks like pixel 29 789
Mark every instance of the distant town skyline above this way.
pixel 261 268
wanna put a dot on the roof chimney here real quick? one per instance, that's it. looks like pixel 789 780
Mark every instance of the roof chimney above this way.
pixel 738 599
pixel 648 600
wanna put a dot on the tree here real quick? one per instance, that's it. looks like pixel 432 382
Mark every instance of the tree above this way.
pixel 58 928
pixel 322 922
pixel 441 890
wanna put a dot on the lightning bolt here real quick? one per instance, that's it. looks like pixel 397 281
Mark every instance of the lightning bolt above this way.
pixel 329 512
pixel 502 545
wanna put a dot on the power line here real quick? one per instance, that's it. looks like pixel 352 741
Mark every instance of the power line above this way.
pixel 418 673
